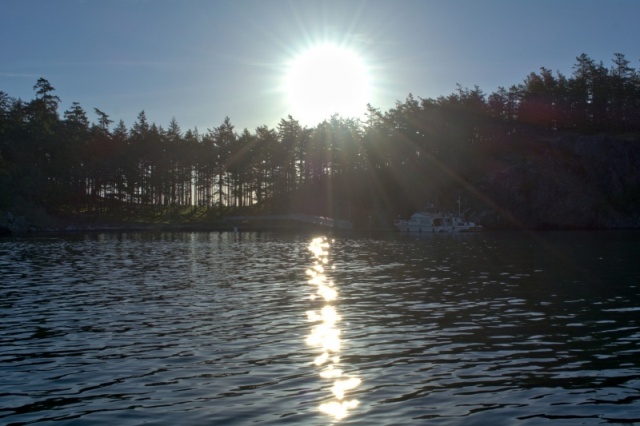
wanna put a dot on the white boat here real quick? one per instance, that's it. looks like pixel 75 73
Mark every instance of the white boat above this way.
pixel 429 221
pixel 424 222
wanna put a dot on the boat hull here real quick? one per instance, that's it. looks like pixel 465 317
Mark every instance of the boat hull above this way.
pixel 423 223
pixel 435 230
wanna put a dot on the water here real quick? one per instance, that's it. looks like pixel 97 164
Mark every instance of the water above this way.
pixel 221 328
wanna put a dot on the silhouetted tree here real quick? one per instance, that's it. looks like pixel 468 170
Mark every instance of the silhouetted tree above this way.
pixel 394 160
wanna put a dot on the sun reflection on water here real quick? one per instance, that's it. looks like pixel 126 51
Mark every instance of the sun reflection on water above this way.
pixel 325 334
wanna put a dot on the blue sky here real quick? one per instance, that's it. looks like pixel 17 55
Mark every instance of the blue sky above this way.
pixel 202 60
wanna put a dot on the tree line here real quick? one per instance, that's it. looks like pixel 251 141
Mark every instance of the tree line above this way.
pixel 389 162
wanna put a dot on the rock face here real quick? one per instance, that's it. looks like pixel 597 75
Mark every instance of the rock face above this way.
pixel 566 182
pixel 14 225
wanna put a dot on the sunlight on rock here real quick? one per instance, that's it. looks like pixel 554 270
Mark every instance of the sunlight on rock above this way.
pixel 325 334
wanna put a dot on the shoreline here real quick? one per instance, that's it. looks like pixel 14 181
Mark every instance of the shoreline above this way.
pixel 221 227
pixel 139 227
pixel 20 226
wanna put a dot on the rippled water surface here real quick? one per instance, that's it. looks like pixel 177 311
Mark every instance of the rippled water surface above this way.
pixel 217 328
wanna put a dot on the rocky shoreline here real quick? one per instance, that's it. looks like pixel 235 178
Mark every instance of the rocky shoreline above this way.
pixel 19 226
pixel 11 225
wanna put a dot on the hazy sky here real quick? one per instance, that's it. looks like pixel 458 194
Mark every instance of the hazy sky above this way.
pixel 202 60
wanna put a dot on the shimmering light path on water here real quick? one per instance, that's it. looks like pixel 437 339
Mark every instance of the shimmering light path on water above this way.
pixel 210 328
pixel 325 334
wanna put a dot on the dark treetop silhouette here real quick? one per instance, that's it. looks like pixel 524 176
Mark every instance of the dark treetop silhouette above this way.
pixel 390 164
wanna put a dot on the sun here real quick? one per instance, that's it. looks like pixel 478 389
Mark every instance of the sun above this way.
pixel 325 80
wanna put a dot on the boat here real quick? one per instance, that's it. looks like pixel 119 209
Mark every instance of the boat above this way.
pixel 431 221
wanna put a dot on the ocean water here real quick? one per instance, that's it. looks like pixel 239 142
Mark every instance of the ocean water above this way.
pixel 267 328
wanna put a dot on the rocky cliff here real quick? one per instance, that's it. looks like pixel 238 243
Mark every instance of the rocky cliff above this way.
pixel 564 182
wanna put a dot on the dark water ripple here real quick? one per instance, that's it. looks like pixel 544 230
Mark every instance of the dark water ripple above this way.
pixel 209 328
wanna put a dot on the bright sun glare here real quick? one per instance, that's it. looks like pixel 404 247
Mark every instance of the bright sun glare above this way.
pixel 324 80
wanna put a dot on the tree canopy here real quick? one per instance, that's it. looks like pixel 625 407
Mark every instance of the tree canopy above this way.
pixel 391 162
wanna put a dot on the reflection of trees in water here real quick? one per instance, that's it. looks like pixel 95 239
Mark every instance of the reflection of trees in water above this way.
pixel 325 334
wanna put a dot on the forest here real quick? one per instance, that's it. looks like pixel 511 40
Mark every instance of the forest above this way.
pixel 390 163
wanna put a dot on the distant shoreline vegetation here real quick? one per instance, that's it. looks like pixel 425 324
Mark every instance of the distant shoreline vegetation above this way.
pixel 369 172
